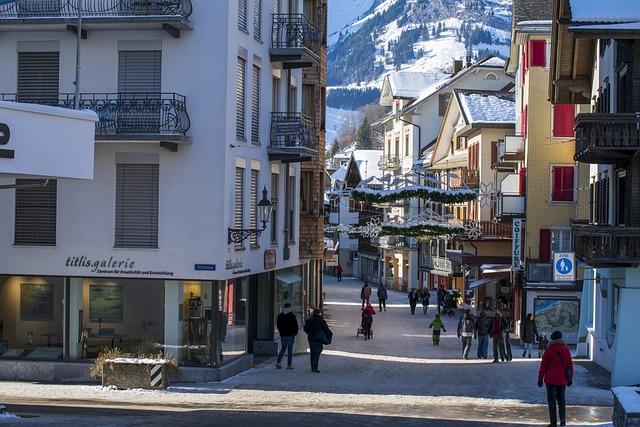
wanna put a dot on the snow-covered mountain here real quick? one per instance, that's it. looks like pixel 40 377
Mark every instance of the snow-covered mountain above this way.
pixel 369 38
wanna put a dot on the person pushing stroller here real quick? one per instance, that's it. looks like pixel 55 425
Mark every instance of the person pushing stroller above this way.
pixel 367 320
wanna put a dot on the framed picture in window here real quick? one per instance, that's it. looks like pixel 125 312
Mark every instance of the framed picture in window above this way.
pixel 105 303
pixel 36 301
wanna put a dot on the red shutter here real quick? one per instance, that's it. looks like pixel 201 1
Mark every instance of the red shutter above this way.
pixel 537 53
pixel 494 152
pixel 523 62
pixel 563 119
pixel 523 121
pixel 523 181
pixel 563 184
pixel 545 245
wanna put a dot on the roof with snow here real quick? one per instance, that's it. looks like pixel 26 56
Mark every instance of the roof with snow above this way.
pixel 486 106
pixel 408 84
pixel 367 162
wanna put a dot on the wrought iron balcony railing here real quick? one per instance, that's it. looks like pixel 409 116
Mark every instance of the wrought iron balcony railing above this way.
pixel 389 162
pixel 124 114
pixel 606 138
pixel 293 30
pixel 292 130
pixel 606 245
pixel 34 9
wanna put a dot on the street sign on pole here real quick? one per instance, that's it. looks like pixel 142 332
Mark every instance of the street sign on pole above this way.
pixel 564 266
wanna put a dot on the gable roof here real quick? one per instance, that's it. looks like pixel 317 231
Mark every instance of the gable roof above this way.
pixel 408 84
pixel 486 106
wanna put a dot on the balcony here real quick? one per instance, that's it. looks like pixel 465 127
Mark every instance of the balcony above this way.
pixel 389 162
pixel 606 138
pixel 486 230
pixel 293 137
pixel 605 246
pixel 466 178
pixel 440 265
pixel 398 242
pixel 294 41
pixel 538 271
pixel 510 206
pixel 144 117
pixel 56 15
pixel 510 152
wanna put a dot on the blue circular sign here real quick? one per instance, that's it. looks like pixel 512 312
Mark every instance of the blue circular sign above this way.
pixel 564 266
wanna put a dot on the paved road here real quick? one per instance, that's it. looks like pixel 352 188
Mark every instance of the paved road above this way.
pixel 398 378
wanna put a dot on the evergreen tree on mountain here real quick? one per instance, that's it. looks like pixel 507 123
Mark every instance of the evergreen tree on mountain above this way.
pixel 363 137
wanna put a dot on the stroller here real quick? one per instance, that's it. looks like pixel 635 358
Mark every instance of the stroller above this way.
pixel 449 305
pixel 361 330
pixel 543 343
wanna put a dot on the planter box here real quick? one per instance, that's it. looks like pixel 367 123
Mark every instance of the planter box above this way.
pixel 626 406
pixel 126 374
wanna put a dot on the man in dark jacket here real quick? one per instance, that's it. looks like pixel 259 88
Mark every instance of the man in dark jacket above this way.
pixel 288 329
pixel 312 327
pixel 441 294
pixel 482 330
pixel 497 326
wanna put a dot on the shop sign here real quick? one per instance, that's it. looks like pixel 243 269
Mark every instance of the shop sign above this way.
pixel 332 262
pixel 236 266
pixel 564 266
pixel 516 245
pixel 205 267
pixel 113 266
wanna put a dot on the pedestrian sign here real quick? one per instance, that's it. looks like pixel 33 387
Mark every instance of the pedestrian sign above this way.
pixel 564 266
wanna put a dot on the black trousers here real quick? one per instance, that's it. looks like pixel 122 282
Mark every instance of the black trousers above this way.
pixel 555 393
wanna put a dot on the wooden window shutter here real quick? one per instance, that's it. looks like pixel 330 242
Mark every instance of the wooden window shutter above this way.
pixel 537 53
pixel 238 209
pixel 137 205
pixel 35 213
pixel 523 123
pixel 563 119
pixel 494 152
pixel 522 182
pixel 562 183
pixel 545 245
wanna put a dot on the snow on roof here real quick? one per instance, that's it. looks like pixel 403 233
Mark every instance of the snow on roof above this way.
pixel 409 84
pixel 615 11
pixel 487 106
pixel 627 27
pixel 367 161
pixel 339 174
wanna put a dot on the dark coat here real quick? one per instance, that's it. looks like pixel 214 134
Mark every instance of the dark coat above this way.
pixel 287 324
pixel 367 315
pixel 482 325
pixel 551 369
pixel 425 297
pixel 441 294
pixel 413 297
pixel 529 331
pixel 504 325
pixel 315 324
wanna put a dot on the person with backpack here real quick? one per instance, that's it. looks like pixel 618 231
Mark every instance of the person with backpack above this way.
pixel 367 320
pixel 425 300
pixel 382 297
pixel 365 293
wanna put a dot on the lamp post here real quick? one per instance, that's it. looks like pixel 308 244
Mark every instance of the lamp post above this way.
pixel 79 37
pixel 237 235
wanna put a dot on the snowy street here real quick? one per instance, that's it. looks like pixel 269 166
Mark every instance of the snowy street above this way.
pixel 397 377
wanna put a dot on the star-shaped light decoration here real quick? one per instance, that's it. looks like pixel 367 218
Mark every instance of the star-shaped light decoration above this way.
pixel 473 229
pixel 488 195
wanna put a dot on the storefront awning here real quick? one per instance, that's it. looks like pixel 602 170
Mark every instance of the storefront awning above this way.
pixel 288 278
pixel 486 281
pixel 496 269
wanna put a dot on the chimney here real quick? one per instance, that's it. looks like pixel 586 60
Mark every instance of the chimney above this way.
pixel 468 59
pixel 457 66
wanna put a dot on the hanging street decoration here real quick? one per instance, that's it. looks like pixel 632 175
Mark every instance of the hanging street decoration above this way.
pixel 437 195
pixel 473 229
pixel 487 195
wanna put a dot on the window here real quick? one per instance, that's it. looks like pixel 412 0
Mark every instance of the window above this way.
pixel 563 120
pixel 622 213
pixel 238 211
pixel 274 210
pixel 306 193
pixel 257 19
pixel 255 106
pixel 240 101
pixel 562 183
pixel 35 220
pixel 38 77
pixel 553 240
pixel 537 53
pixel 407 148
pixel 136 205
pixel 443 101
pixel 139 87
pixel 242 14
pixel 253 213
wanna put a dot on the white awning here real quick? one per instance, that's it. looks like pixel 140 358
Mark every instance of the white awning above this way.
pixel 485 281
pixel 495 269
pixel 288 278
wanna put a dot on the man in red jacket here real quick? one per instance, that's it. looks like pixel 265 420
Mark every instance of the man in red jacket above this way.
pixel 556 369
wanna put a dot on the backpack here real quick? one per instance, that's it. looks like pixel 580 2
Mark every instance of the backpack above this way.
pixel 382 292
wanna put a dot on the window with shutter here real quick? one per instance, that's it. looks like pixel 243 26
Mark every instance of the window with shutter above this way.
pixel 562 184
pixel 274 210
pixel 522 182
pixel 537 53
pixel 137 206
pixel 545 245
pixel 255 106
pixel 242 14
pixel 240 99
pixel 38 77
pixel 253 207
pixel 139 86
pixel 238 211
pixel 35 215
pixel 257 19
pixel 563 120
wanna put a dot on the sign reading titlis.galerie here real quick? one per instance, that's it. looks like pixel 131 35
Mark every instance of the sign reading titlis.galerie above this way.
pixel 112 265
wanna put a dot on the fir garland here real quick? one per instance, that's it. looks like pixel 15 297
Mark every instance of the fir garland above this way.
pixel 433 194
pixel 425 230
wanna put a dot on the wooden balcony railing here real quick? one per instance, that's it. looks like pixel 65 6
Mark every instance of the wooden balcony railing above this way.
pixel 486 230
pixel 606 138
pixel 34 9
pixel 440 264
pixel 607 246
pixel 124 114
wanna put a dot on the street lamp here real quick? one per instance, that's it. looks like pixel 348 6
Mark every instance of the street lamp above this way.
pixel 237 235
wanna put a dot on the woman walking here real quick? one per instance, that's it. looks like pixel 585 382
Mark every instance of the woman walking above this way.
pixel 529 334
pixel 556 370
